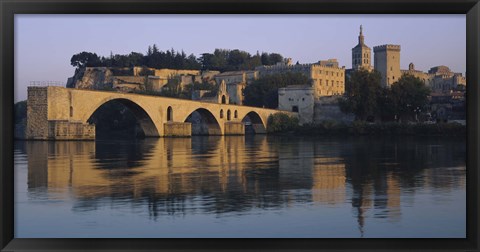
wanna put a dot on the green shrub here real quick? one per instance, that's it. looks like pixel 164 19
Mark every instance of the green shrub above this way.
pixel 281 122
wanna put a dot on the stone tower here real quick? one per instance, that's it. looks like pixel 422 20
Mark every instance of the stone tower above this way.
pixel 387 62
pixel 361 54
pixel 222 94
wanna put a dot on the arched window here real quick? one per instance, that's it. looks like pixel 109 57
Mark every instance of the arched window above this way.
pixel 169 114
pixel 228 115
pixel 224 100
pixel 221 113
pixel 235 115
pixel 71 111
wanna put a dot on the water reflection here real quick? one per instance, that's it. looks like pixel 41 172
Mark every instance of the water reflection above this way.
pixel 236 175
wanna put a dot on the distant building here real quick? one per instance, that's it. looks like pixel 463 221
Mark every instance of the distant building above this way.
pixel 327 77
pixel 387 62
pixel 236 81
pixel 235 92
pixel 444 80
pixel 361 54
pixel 235 77
pixel 425 77
pixel 221 96
pixel 447 106
pixel 297 98
pixel 440 79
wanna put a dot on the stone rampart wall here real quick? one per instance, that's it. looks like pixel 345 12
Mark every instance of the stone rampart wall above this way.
pixel 37 113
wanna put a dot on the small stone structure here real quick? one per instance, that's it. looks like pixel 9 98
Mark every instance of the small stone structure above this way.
pixel 41 124
pixel 297 98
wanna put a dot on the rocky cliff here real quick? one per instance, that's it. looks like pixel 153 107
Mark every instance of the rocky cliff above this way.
pixel 98 78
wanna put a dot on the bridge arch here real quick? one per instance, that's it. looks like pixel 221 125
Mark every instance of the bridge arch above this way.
pixel 204 122
pixel 254 123
pixel 141 115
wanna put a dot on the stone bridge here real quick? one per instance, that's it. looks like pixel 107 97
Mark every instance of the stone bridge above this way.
pixel 64 113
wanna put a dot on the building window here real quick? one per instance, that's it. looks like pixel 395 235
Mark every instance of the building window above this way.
pixel 235 114
pixel 294 108
pixel 221 113
pixel 71 111
pixel 228 115
pixel 169 114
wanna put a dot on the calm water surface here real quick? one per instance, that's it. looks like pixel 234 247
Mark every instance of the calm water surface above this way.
pixel 242 186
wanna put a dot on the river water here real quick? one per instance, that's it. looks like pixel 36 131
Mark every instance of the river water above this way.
pixel 242 186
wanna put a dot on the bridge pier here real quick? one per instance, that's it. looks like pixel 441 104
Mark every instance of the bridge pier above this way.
pixel 234 128
pixel 177 129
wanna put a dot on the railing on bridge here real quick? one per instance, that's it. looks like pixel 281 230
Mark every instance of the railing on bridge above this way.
pixel 47 83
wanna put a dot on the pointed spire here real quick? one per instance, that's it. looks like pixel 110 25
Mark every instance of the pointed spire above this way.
pixel 360 37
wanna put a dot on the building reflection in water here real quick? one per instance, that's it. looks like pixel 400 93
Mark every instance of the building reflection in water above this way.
pixel 233 175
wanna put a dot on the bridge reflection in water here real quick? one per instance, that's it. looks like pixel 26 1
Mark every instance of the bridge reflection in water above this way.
pixel 237 174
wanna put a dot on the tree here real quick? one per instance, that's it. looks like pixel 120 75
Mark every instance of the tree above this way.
pixel 264 91
pixel 363 93
pixel 149 51
pixel 155 49
pixel 220 60
pixel 271 59
pixel 281 122
pixel 409 96
pixel 20 111
pixel 84 59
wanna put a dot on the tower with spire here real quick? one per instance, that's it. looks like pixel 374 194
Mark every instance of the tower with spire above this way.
pixel 361 54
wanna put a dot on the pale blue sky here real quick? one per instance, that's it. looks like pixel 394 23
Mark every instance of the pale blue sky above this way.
pixel 44 44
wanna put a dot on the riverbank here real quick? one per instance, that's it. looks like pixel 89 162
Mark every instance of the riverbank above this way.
pixel 391 128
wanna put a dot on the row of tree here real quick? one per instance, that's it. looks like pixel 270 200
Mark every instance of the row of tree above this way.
pixel 235 60
pixel 368 100
pixel 220 60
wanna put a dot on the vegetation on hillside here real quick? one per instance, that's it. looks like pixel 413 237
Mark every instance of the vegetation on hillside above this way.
pixel 220 60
